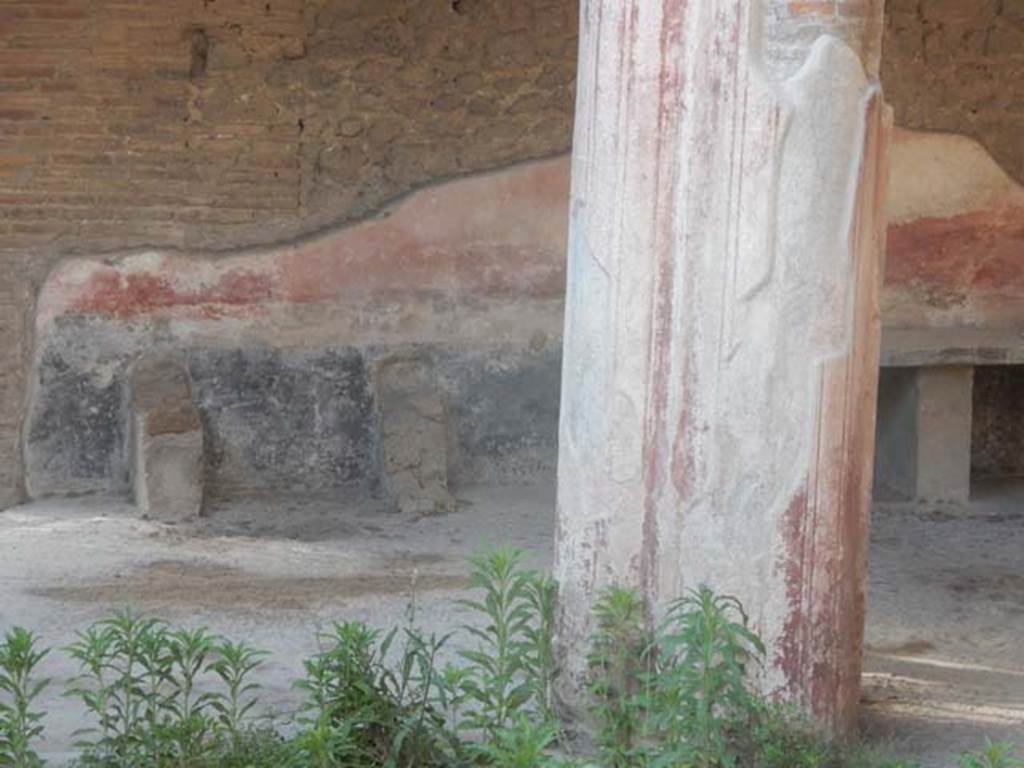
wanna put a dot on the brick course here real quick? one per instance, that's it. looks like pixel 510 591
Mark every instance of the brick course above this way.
pixel 220 123
pixel 958 67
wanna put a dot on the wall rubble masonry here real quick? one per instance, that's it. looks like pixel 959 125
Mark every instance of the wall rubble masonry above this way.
pixel 956 66
pixel 997 442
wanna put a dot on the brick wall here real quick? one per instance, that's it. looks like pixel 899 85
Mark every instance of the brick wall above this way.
pixel 220 123
pixel 217 123
pixel 997 442
pixel 958 66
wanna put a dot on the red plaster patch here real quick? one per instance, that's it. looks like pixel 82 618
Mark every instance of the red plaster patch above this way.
pixel 818 7
pixel 493 236
pixel 109 292
pixel 981 251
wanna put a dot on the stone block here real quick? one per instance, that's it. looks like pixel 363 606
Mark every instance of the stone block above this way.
pixel 414 436
pixel 944 412
pixel 923 441
pixel 167 441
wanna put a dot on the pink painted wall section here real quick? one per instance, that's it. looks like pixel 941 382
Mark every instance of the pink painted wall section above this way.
pixel 955 252
pixel 955 255
pixel 494 237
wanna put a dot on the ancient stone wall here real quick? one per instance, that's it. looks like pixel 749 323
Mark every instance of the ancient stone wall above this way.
pixel 215 124
pixel 219 123
pixel 222 124
pixel 285 346
pixel 957 66
pixel 997 442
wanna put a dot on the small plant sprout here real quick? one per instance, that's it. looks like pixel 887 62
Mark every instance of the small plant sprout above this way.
pixel 619 652
pixel 993 755
pixel 234 665
pixel 20 724
pixel 497 684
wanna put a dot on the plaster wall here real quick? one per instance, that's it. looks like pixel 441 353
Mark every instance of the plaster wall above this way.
pixel 452 272
pixel 955 255
pixel 210 127
pixel 283 344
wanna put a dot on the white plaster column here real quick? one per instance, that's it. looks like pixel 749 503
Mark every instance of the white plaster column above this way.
pixel 721 343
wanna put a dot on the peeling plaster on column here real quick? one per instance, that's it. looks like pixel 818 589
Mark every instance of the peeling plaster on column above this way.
pixel 722 309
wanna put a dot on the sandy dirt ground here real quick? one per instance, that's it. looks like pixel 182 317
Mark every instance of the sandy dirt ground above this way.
pixel 944 657
pixel 944 661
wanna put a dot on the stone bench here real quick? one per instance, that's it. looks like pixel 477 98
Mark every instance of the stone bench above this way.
pixel 414 437
pixel 167 441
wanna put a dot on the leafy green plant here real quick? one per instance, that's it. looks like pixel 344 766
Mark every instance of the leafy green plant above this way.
pixel 343 682
pixel 541 666
pixel 993 755
pixel 156 661
pixel 620 650
pixel 327 744
pixel 20 724
pixel 163 697
pixel 234 665
pixel 454 683
pixel 141 683
pixel 420 732
pixel 187 721
pixel 255 748
pixel 780 737
pixel 119 685
pixel 700 688
pixel 497 681
pixel 393 718
pixel 522 744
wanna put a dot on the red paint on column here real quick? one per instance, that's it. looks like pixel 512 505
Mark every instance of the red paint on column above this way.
pixel 792 646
